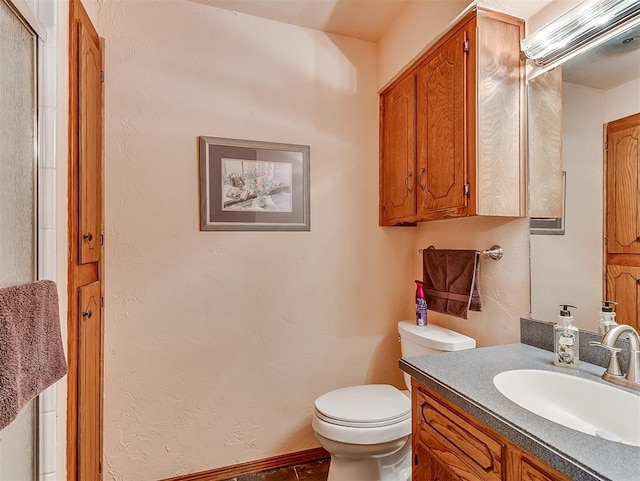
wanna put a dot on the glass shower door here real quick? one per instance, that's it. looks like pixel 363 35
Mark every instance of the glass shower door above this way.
pixel 17 208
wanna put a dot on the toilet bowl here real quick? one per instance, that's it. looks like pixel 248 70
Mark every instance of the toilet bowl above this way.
pixel 367 429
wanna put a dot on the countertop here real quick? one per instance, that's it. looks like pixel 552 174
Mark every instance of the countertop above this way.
pixel 466 379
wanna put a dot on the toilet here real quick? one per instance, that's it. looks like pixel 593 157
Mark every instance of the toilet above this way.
pixel 367 429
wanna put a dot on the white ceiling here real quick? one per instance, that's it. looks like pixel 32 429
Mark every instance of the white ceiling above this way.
pixel 611 64
pixel 604 67
pixel 363 19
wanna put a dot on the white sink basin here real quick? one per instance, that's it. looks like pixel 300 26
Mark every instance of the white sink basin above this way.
pixel 576 403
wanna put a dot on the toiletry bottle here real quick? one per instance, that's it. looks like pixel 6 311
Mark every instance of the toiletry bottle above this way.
pixel 607 317
pixel 565 336
pixel 421 304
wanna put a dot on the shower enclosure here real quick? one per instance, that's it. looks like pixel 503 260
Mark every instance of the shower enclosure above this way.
pixel 18 187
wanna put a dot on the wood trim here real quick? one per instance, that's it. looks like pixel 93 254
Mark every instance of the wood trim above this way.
pixel 78 274
pixel 624 123
pixel 632 260
pixel 281 461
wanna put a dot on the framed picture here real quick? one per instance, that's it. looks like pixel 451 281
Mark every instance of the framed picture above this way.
pixel 250 185
pixel 551 225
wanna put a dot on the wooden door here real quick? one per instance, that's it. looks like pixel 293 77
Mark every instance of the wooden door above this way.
pixel 623 217
pixel 441 114
pixel 86 256
pixel 623 207
pixel 398 153
pixel 90 165
pixel 623 285
pixel 89 381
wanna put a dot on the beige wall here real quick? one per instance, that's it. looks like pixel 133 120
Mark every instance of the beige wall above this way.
pixel 217 343
pixel 568 269
pixel 623 100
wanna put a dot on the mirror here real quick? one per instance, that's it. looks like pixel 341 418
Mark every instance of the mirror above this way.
pixel 569 107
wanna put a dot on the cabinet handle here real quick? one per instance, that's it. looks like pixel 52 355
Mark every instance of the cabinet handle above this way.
pixel 406 182
pixel 88 237
pixel 423 187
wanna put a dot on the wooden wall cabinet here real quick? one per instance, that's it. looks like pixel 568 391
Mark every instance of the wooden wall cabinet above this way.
pixel 451 142
pixel 451 445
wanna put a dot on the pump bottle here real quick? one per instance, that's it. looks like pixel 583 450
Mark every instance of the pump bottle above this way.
pixel 607 317
pixel 421 304
pixel 565 336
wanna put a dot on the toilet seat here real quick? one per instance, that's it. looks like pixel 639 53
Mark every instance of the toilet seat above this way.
pixel 368 414
pixel 369 405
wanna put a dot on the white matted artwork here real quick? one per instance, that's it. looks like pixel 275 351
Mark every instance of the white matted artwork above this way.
pixel 252 185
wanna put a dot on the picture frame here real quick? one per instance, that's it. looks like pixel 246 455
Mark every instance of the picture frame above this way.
pixel 551 225
pixel 248 185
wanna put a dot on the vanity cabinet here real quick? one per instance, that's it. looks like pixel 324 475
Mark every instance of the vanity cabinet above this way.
pixel 451 127
pixel 450 444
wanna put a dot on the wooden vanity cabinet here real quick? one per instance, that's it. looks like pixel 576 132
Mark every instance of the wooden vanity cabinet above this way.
pixel 451 127
pixel 451 445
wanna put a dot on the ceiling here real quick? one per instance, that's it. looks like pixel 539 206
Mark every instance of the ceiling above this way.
pixel 613 63
pixel 605 67
pixel 362 19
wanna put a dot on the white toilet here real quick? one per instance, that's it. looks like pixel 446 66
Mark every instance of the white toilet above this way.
pixel 367 429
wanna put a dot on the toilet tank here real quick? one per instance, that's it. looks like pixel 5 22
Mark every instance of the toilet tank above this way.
pixel 430 339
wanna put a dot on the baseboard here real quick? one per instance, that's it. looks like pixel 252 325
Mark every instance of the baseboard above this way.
pixel 282 461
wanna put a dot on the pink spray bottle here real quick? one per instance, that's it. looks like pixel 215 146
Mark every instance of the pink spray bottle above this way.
pixel 421 304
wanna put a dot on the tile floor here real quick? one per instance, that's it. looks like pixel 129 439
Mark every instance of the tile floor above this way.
pixel 314 471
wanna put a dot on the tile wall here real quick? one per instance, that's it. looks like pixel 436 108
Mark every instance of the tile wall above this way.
pixel 46 11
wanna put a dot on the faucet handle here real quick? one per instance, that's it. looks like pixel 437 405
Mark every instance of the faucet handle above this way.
pixel 613 368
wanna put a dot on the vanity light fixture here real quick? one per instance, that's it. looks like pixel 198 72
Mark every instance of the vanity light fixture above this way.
pixel 590 23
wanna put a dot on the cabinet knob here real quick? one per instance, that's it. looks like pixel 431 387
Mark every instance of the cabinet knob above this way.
pixel 88 237
pixel 406 182
pixel 87 314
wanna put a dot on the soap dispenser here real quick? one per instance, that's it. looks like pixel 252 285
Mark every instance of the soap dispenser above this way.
pixel 565 336
pixel 607 317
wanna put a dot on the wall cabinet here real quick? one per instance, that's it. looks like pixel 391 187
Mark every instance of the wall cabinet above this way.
pixel 450 444
pixel 451 127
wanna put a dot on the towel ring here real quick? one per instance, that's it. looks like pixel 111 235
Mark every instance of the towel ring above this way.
pixel 495 252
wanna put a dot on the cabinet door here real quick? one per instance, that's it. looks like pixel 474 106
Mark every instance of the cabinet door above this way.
pixel 441 149
pixel 623 207
pixel 90 383
pixel 90 150
pixel 623 286
pixel 398 153
pixel 429 468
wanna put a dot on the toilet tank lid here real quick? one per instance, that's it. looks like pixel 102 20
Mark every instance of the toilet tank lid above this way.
pixel 435 337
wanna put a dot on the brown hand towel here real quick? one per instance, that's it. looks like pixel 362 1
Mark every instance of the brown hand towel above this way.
pixel 31 354
pixel 451 279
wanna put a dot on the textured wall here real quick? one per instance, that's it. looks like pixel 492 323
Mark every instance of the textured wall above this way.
pixel 504 284
pixel 217 343
pixel 568 268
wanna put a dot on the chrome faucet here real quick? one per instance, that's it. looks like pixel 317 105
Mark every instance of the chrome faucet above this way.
pixel 614 371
